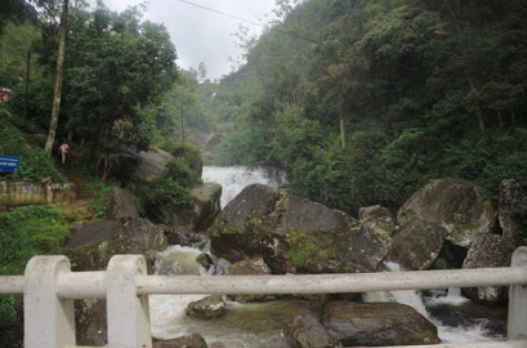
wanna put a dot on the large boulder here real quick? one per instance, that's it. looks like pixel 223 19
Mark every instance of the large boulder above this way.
pixel 253 266
pixel 511 194
pixel 417 245
pixel 121 205
pixel 92 246
pixel 140 167
pixel 489 250
pixel 377 218
pixel 377 324
pixel 459 206
pixel 204 207
pixel 305 331
pixel 210 307
pixel 295 235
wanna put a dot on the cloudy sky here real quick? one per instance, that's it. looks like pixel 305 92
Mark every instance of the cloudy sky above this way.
pixel 204 36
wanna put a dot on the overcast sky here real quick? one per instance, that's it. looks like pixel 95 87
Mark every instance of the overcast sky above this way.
pixel 200 35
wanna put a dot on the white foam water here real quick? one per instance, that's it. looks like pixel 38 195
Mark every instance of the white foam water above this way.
pixel 447 334
pixel 244 325
pixel 235 179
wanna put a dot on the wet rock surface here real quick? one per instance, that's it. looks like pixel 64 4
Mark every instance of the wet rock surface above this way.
pixel 92 246
pixel 305 331
pixel 377 324
pixel 489 250
pixel 417 245
pixel 191 341
pixel 208 308
pixel 295 235
pixel 253 266
pixel 458 206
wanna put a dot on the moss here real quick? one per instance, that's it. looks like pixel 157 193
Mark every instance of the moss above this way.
pixel 304 248
pixel 348 267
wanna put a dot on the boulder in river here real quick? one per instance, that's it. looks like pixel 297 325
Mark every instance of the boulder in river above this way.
pixel 489 250
pixel 190 341
pixel 253 266
pixel 377 324
pixel 377 218
pixel 305 331
pixel 417 245
pixel 210 307
pixel 295 235
pixel 457 205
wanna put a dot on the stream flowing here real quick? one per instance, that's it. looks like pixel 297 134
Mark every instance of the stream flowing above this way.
pixel 259 325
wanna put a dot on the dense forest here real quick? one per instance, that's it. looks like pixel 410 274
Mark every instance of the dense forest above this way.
pixel 363 102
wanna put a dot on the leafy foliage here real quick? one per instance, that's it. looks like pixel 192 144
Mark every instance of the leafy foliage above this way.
pixel 35 164
pixel 24 233
pixel 363 102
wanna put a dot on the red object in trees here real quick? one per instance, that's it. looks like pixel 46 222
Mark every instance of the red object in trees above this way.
pixel 4 94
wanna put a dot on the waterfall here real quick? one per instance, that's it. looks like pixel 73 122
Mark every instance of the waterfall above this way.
pixel 451 297
pixel 235 179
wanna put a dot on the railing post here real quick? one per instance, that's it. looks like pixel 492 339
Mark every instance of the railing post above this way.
pixel 49 322
pixel 128 313
pixel 517 325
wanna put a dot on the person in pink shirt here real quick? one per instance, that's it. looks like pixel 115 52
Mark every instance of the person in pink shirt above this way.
pixel 63 150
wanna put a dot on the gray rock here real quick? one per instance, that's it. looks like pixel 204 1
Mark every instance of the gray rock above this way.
pixel 253 266
pixel 121 205
pixel 305 331
pixel 488 250
pixel 92 246
pixel 205 260
pixel 377 324
pixel 377 218
pixel 454 204
pixel 417 245
pixel 191 341
pixel 91 322
pixel 208 308
pixel 295 235
pixel 511 194
pixel 140 167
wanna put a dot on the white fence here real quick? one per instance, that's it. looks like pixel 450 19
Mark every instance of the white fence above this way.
pixel 49 288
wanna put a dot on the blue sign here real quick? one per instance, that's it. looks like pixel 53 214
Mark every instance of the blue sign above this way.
pixel 9 164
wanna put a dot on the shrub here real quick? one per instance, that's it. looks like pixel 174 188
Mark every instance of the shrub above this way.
pixel 35 163
pixel 24 233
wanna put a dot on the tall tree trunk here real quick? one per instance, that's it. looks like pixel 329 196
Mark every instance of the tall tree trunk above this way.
pixel 183 123
pixel 28 76
pixel 58 81
pixel 513 118
pixel 341 119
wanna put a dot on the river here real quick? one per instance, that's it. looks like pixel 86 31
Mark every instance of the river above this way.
pixel 260 325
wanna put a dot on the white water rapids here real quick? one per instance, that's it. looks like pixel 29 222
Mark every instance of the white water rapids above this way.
pixel 261 325
pixel 452 297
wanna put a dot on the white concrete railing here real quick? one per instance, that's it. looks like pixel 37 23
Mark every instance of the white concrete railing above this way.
pixel 49 288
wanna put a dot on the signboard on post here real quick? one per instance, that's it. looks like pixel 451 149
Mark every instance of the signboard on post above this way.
pixel 9 164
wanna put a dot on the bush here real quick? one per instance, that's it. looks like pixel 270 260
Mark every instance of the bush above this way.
pixel 35 163
pixel 165 191
pixel 24 233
